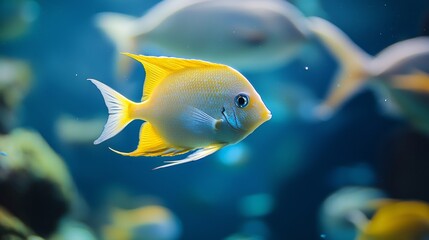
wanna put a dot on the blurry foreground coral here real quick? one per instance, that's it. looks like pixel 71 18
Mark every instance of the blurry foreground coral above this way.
pixel 36 189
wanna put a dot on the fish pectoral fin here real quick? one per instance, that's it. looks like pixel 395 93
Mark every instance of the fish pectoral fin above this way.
pixel 197 118
pixel 151 144
pixel 200 153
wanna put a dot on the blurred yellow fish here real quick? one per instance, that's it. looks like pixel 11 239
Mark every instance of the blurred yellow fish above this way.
pixel 398 220
pixel 147 222
pixel 187 105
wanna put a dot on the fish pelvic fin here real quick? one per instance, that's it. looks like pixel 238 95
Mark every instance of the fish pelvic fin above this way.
pixel 197 155
pixel 353 61
pixel 119 111
pixel 120 29
pixel 151 144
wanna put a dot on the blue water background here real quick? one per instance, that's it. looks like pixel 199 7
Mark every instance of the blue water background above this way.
pixel 294 160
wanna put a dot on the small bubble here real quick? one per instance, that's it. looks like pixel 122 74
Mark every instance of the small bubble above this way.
pixel 323 236
pixel 306 68
pixel 76 75
pixel 385 4
pixel 385 100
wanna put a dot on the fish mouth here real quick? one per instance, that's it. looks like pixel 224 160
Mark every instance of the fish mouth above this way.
pixel 232 125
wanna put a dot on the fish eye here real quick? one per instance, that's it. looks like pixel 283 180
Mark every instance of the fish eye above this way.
pixel 241 100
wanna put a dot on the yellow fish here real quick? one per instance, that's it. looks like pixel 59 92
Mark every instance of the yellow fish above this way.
pixel 147 222
pixel 398 220
pixel 187 105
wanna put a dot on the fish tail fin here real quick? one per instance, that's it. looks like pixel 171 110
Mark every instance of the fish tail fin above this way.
pixel 119 28
pixel 353 61
pixel 119 111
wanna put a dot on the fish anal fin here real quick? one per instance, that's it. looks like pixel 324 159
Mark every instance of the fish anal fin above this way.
pixel 199 154
pixel 158 68
pixel 151 144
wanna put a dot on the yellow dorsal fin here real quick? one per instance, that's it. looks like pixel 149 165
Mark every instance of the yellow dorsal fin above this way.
pixel 158 68
pixel 151 144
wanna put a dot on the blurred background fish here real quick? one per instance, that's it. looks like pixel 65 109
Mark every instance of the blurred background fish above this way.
pixel 146 222
pixel 236 33
pixel 399 75
pixel 397 220
pixel 72 130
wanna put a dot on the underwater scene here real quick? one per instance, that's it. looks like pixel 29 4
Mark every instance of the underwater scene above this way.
pixel 214 119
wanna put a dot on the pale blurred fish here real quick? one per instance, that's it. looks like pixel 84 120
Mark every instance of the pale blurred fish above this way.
pixel 346 209
pixel 73 130
pixel 187 105
pixel 246 34
pixel 399 74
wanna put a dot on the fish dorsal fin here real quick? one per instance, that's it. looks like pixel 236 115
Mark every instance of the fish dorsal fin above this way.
pixel 151 144
pixel 158 68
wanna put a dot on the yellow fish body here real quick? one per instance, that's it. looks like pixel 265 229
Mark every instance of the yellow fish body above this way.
pixel 398 220
pixel 147 222
pixel 187 105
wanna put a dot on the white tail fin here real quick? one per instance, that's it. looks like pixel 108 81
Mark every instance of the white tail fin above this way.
pixel 353 62
pixel 120 28
pixel 118 107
